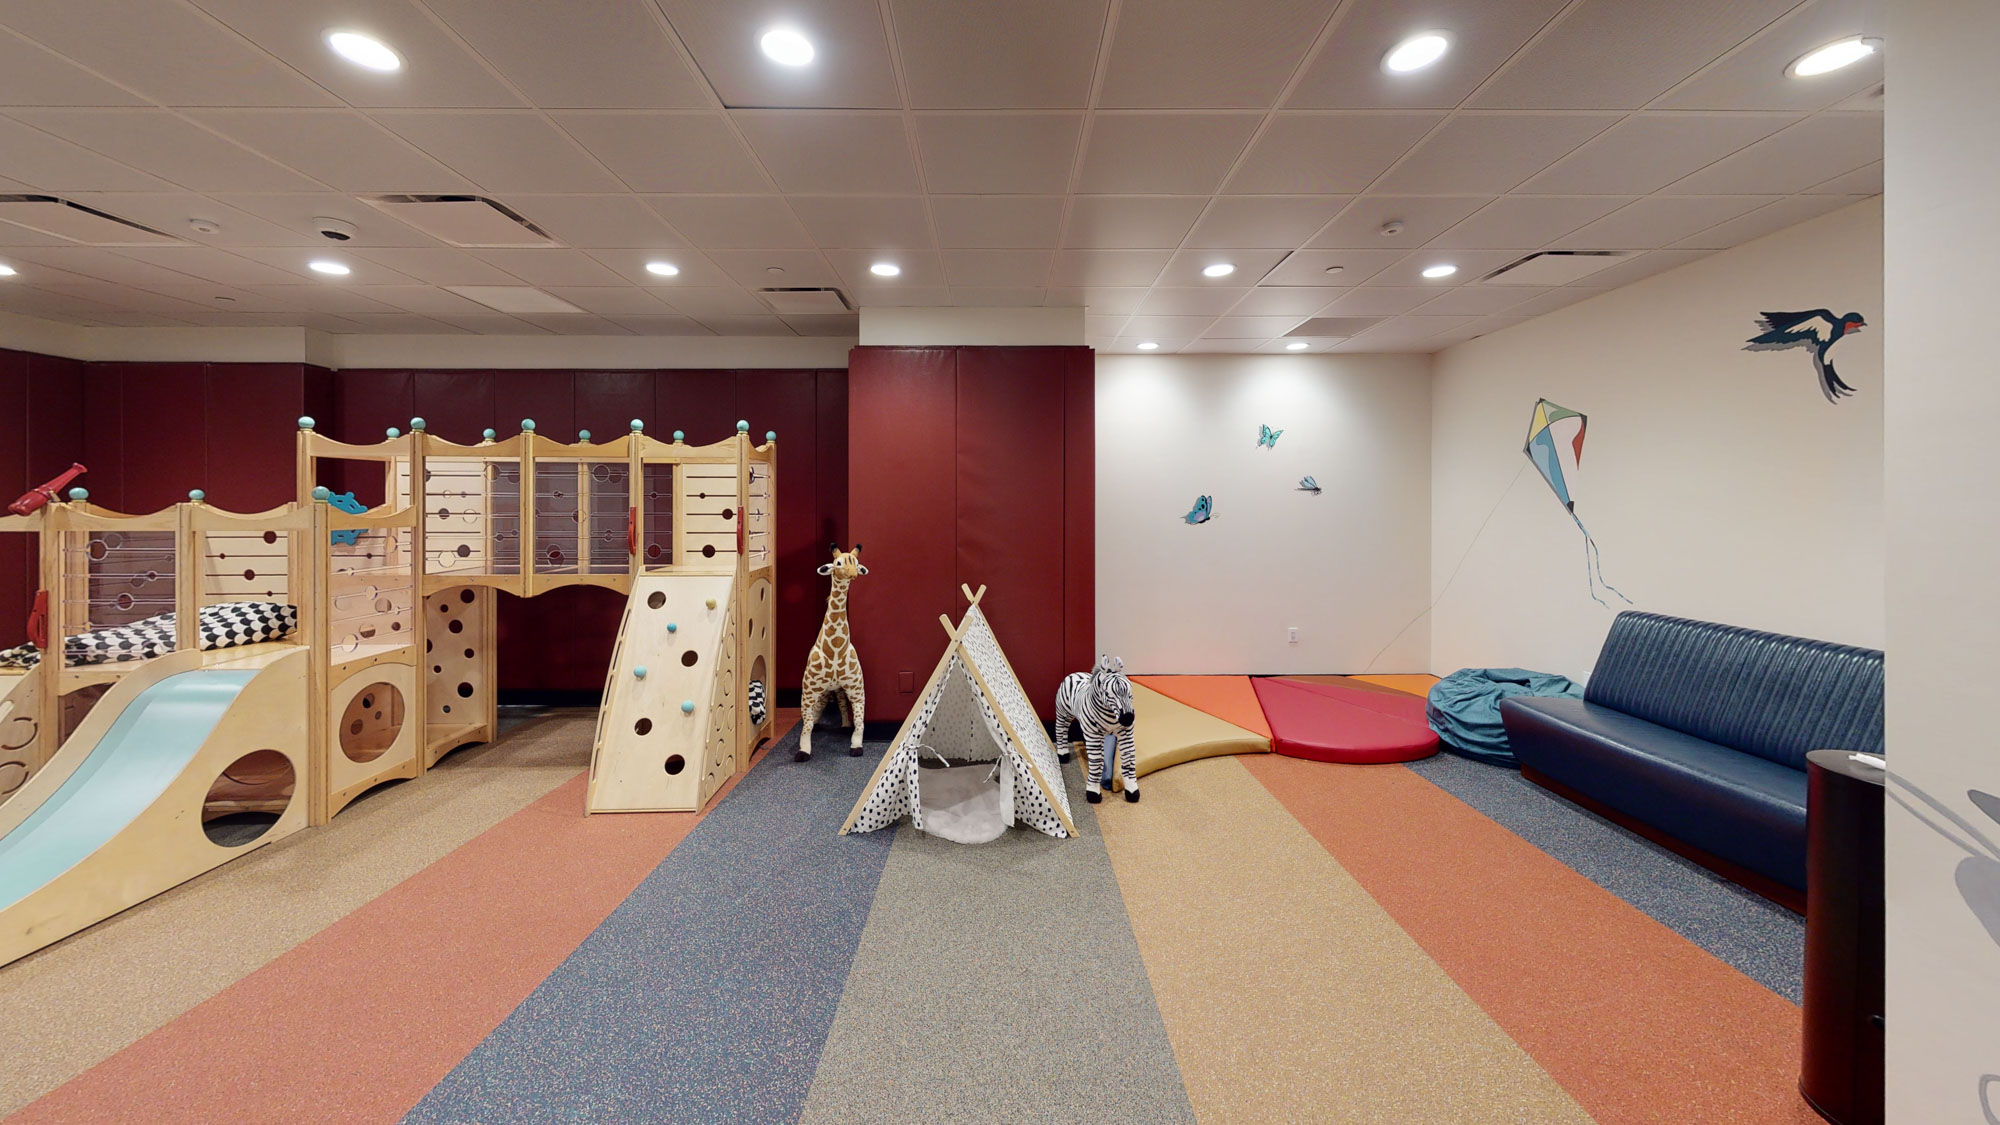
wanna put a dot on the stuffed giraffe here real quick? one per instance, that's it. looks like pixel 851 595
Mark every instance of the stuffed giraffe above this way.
pixel 833 668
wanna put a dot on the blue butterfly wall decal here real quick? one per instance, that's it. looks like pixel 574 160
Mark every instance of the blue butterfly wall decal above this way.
pixel 1307 484
pixel 1204 506
pixel 1266 436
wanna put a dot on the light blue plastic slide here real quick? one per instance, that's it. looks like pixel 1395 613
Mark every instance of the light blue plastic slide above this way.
pixel 145 749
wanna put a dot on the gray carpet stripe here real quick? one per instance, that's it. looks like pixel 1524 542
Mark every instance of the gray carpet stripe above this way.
pixel 999 983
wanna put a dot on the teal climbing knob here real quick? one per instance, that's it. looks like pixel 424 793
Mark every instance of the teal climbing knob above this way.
pixel 687 706
pixel 392 433
pixel 79 494
pixel 306 423
pixel 742 427
pixel 638 426
pixel 488 434
pixel 197 495
pixel 527 425
pixel 770 435
pixel 416 424
pixel 673 628
pixel 322 493
pixel 680 435
pixel 639 673
pixel 583 435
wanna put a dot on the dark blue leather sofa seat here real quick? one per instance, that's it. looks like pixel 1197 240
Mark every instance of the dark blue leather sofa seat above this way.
pixel 1700 731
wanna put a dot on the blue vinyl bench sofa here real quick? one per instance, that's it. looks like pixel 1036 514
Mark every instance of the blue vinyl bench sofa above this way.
pixel 1695 735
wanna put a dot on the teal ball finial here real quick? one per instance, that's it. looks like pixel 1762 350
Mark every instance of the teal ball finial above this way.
pixel 639 673
pixel 770 435
pixel 322 493
pixel 416 425
pixel 79 494
pixel 197 495
pixel 673 628
pixel 742 427
pixel 638 427
pixel 392 433
pixel 488 434
pixel 687 706
pixel 680 435
pixel 306 423
pixel 527 425
pixel 583 435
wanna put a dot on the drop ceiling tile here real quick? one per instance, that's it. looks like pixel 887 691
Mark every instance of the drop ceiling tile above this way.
pixel 1774 216
pixel 1380 300
pixel 297 213
pixel 1472 265
pixel 168 52
pixel 1754 76
pixel 668 152
pixel 824 151
pixel 435 266
pixel 607 300
pixel 1618 54
pixel 597 222
pixel 1861 181
pixel 1129 345
pixel 1342 153
pixel 865 222
pixel 96 263
pixel 714 301
pixel 1659 220
pixel 339 148
pixel 205 294
pixel 36 159
pixel 1110 299
pixel 828 325
pixel 423 299
pixel 170 212
pixel 1348 74
pixel 493 324
pixel 1309 268
pixel 752 268
pixel 1413 326
pixel 1163 154
pixel 1283 300
pixel 1207 54
pixel 402 324
pixel 1526 221
pixel 1423 217
pixel 221 266
pixel 579 53
pixel 748 326
pixel 851 66
pixel 997 296
pixel 1480 300
pixel 504 152
pixel 997 222
pixel 998 153
pixel 733 222
pixel 33 75
pixel 1280 221
pixel 920 268
pixel 1068 298
pixel 1490 153
pixel 1131 222
pixel 1814 150
pixel 1163 327
pixel 438 71
pixel 1195 300
pixel 1227 346
pixel 1090 268
pixel 879 296
pixel 328 297
pixel 574 324
pixel 1647 152
pixel 167 146
pixel 290 264
pixel 1016 268
pixel 1549 300
pixel 1251 265
pixel 1096 323
pixel 550 266
pixel 1024 54
pixel 1642 266
pixel 1251 327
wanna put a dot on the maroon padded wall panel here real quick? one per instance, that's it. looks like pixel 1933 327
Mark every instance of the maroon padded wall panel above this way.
pixel 457 406
pixel 901 498
pixel 608 401
pixel 547 397
pixel 830 523
pixel 250 423
pixel 700 403
pixel 165 448
pixel 55 417
pixel 319 402
pixel 365 405
pixel 558 641
pixel 787 402
pixel 1010 512
pixel 104 435
pixel 1079 508
pixel 17 569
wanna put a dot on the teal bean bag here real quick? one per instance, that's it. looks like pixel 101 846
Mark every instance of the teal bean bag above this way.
pixel 1464 708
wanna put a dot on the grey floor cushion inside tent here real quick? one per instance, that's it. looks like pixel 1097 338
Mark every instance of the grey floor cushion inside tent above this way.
pixel 963 804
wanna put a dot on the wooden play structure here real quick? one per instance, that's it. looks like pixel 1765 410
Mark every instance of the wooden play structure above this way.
pixel 211 682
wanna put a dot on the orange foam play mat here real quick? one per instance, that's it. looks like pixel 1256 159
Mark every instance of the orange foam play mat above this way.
pixel 1229 698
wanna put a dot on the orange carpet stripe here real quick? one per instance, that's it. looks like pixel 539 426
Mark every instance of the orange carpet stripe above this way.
pixel 357 1023
pixel 1229 698
pixel 1637 1023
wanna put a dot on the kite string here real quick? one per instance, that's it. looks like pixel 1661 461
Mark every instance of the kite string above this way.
pixel 1593 567
pixel 1495 510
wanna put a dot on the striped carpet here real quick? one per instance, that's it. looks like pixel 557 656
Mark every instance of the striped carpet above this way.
pixel 1261 939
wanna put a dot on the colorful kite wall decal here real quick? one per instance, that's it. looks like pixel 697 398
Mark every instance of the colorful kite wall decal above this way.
pixel 1204 506
pixel 1307 484
pixel 1817 329
pixel 1555 447
pixel 1266 436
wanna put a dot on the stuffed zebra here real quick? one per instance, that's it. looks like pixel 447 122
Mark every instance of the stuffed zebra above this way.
pixel 1099 703
pixel 756 697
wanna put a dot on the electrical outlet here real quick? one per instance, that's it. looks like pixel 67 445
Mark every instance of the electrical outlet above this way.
pixel 1292 635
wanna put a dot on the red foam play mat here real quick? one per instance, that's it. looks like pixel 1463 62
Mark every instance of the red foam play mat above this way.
pixel 1328 723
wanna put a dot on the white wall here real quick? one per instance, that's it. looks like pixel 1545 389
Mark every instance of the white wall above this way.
pixel 1347 566
pixel 1718 483
pixel 1943 469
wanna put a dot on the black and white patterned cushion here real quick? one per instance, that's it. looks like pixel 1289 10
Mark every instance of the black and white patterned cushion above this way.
pixel 756 699
pixel 228 624
pixel 223 625
pixel 23 655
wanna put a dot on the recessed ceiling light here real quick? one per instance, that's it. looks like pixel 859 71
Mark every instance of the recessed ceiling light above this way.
pixel 8 271
pixel 1442 269
pixel 1333 269
pixel 1416 52
pixel 364 50
pixel 663 269
pixel 1218 269
pixel 1296 346
pixel 786 46
pixel 885 269
pixel 328 266
pixel 1148 346
pixel 1833 57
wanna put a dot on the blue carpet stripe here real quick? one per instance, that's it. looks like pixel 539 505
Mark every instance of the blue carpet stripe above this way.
pixel 1762 940
pixel 706 996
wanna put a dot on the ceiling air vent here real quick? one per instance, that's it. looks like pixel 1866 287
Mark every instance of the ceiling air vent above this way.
pixel 73 222
pixel 463 220
pixel 1554 267
pixel 801 300
pixel 1335 325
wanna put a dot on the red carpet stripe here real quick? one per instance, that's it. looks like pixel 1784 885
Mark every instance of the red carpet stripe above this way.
pixel 1637 1023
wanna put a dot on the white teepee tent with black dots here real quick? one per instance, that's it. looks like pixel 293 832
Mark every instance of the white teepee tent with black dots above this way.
pixel 972 709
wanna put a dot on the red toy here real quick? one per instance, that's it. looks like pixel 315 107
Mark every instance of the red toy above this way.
pixel 32 500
